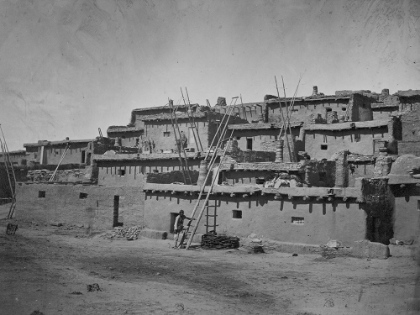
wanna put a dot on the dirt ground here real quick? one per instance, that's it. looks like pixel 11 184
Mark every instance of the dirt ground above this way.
pixel 48 268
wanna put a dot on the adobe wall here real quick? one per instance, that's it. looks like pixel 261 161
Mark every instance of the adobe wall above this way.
pixel 362 110
pixel 355 140
pixel 16 158
pixel 249 112
pixel 360 170
pixel 262 140
pixel 407 212
pixel 162 133
pixel 135 172
pixel 410 124
pixel 383 112
pixel 267 218
pixel 52 155
pixel 128 139
pixel 308 111
pixel 62 203
pixel 379 206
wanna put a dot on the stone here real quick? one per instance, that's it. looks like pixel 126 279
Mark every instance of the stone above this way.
pixel 367 249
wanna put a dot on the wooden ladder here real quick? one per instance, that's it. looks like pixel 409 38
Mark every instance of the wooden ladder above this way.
pixel 211 213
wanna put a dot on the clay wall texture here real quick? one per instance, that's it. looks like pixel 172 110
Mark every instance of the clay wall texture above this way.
pixel 407 212
pixel 356 141
pixel 62 203
pixel 360 170
pixel 384 112
pixel 267 218
pixel 162 133
pixel 410 125
pixel 308 111
pixel 249 112
pixel 15 157
pixel 127 139
pixel 262 140
pixel 135 172
pixel 52 154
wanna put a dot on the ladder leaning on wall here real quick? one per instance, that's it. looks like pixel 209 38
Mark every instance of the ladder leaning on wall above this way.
pixel 184 169
pixel 193 125
pixel 10 172
pixel 222 128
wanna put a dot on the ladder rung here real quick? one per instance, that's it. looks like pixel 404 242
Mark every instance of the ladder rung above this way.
pixel 211 215
pixel 211 225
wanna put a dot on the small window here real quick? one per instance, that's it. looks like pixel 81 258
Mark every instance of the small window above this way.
pixel 357 137
pixel 121 172
pixel 328 109
pixel 298 220
pixel 166 133
pixel 324 146
pixel 344 109
pixel 41 194
pixel 418 205
pixel 237 214
pixel 83 195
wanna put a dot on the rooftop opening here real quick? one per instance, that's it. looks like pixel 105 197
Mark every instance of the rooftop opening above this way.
pixel 83 195
pixel 41 194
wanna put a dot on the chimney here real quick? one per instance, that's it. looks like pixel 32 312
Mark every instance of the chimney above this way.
pixel 315 90
pixel 383 163
pixel 221 101
pixel 385 92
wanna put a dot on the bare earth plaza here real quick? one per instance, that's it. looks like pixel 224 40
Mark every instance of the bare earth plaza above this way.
pixel 297 202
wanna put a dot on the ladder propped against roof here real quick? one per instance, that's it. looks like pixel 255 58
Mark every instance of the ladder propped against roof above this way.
pixel 222 128
pixel 11 177
pixel 191 119
pixel 178 141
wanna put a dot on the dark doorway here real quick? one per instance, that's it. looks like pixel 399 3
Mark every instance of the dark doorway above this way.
pixel 249 144
pixel 173 217
pixel 116 211
pixel 83 156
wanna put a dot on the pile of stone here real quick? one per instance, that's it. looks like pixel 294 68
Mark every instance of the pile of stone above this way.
pixel 129 233
pixel 211 241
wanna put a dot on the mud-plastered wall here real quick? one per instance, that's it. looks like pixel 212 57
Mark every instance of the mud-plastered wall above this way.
pixel 133 173
pixel 280 220
pixel 322 144
pixel 91 206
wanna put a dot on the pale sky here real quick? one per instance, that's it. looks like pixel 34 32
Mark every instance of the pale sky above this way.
pixel 68 67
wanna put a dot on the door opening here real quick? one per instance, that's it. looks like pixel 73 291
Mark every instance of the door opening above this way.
pixel 116 211
pixel 173 217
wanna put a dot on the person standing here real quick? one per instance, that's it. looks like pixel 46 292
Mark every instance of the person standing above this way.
pixel 179 229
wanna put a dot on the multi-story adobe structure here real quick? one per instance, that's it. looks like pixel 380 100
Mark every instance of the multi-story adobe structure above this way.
pixel 326 194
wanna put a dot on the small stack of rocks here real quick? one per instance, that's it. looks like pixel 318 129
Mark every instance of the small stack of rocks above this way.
pixel 129 233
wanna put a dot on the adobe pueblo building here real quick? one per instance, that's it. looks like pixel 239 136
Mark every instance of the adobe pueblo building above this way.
pixel 302 170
